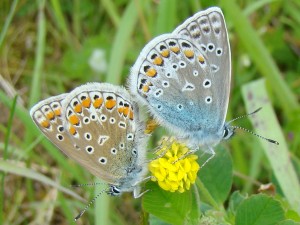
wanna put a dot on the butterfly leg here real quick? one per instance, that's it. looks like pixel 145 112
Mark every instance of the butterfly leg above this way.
pixel 212 154
pixel 185 155
pixel 137 190
pixel 167 140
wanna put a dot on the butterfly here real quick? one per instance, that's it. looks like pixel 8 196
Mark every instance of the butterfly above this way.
pixel 98 126
pixel 184 79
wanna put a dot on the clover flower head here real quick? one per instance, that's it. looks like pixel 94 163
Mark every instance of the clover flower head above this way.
pixel 170 173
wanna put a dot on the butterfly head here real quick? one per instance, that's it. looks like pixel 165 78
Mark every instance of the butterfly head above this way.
pixel 228 131
pixel 114 190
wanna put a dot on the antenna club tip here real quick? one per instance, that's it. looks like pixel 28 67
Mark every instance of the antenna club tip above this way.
pixel 79 215
pixel 273 142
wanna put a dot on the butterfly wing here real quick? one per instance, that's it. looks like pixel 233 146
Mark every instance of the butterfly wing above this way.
pixel 47 115
pixel 103 122
pixel 185 85
pixel 207 30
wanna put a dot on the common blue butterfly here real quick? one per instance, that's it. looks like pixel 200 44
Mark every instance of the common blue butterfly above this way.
pixel 98 126
pixel 184 79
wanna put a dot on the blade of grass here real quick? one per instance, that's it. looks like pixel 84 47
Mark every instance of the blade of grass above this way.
pixel 13 168
pixel 166 17
pixel 255 96
pixel 76 19
pixel 260 56
pixel 5 154
pixel 112 11
pixel 121 43
pixel 8 21
pixel 35 90
pixel 62 24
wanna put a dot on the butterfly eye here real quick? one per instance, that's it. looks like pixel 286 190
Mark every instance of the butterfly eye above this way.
pixel 227 133
pixel 114 191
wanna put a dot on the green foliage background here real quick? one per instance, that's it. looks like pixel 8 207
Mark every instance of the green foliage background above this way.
pixel 45 47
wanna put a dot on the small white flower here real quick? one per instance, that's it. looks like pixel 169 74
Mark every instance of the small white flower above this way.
pixel 97 60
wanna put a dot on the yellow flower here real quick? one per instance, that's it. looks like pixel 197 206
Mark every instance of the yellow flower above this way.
pixel 170 173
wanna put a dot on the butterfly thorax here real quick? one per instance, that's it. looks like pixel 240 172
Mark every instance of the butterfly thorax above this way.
pixel 135 175
pixel 209 138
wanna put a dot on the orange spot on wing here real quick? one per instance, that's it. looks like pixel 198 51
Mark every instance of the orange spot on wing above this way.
pixel 72 130
pixel 131 114
pixel 121 110
pixel 98 102
pixel 158 61
pixel 50 115
pixel 189 53
pixel 165 53
pixel 45 124
pixel 109 104
pixel 175 49
pixel 74 119
pixel 57 112
pixel 86 103
pixel 78 108
pixel 126 111
pixel 145 88
pixel 151 72
pixel 201 59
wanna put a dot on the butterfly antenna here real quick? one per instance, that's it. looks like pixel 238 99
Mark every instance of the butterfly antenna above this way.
pixel 89 204
pixel 85 185
pixel 249 114
pixel 257 135
pixel 249 131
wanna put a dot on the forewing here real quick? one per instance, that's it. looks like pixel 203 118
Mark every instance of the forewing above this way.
pixel 101 120
pixel 184 79
pixel 47 115
pixel 207 30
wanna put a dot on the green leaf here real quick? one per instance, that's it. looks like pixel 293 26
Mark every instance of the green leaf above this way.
pixel 216 176
pixel 288 222
pixel 259 210
pixel 174 208
pixel 235 200
pixel 255 96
